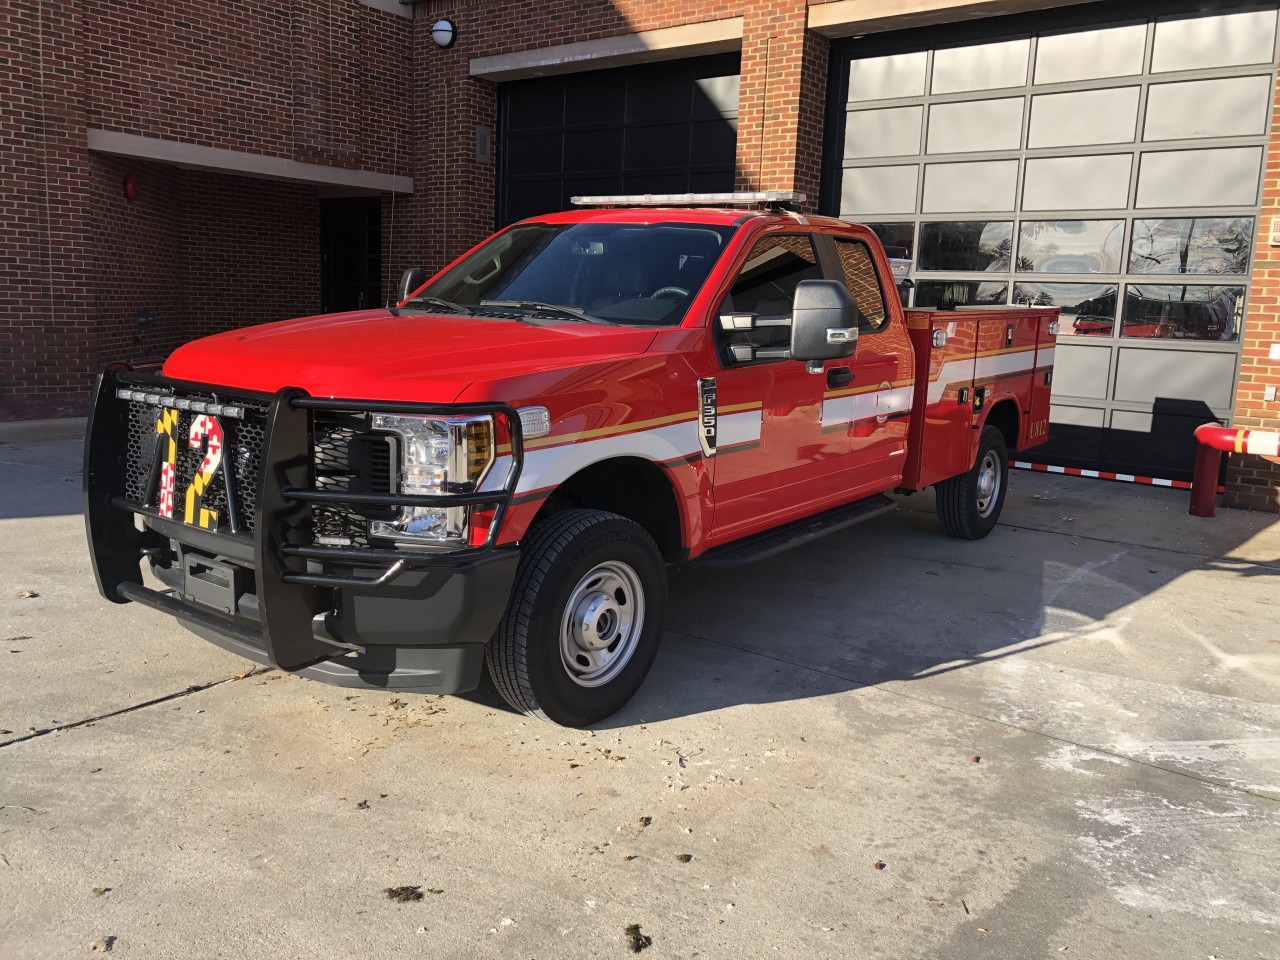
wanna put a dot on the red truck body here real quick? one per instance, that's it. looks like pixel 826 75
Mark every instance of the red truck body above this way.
pixel 656 423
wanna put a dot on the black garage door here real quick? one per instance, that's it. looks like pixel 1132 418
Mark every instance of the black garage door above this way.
pixel 666 127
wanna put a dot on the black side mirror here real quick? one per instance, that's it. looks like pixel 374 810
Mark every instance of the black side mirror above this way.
pixel 410 281
pixel 822 326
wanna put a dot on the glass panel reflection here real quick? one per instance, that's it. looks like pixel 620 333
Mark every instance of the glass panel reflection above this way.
pixel 898 239
pixel 1210 245
pixel 947 294
pixel 1070 246
pixel 1088 309
pixel 975 245
pixel 1182 312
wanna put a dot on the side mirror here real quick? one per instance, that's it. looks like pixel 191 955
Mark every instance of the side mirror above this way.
pixel 410 281
pixel 822 326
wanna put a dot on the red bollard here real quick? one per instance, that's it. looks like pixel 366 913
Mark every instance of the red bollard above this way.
pixel 1204 482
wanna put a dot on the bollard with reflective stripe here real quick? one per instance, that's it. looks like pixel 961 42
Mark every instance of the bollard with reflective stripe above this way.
pixel 1213 441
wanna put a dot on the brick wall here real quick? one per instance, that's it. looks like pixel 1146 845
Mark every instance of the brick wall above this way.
pixel 1252 482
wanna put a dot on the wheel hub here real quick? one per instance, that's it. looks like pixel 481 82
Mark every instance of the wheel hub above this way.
pixel 602 624
pixel 988 486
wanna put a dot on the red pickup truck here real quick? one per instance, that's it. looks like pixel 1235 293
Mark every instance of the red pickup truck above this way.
pixel 501 467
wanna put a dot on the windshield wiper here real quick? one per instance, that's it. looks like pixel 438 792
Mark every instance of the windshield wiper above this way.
pixel 534 306
pixel 443 304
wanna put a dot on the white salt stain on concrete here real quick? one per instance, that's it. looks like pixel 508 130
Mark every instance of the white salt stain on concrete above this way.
pixel 1070 758
pixel 1227 739
pixel 1153 854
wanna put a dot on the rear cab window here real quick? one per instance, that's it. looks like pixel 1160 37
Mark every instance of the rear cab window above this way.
pixel 860 277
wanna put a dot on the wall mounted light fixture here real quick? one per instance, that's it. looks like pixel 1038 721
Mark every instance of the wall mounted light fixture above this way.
pixel 444 33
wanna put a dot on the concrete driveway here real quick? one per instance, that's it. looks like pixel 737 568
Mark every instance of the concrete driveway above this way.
pixel 1061 741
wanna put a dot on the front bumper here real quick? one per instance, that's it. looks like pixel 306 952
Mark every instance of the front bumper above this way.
pixel 263 587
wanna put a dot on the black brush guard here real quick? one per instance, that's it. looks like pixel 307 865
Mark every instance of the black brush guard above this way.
pixel 295 578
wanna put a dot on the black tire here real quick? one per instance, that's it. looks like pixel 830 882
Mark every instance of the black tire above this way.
pixel 968 506
pixel 609 571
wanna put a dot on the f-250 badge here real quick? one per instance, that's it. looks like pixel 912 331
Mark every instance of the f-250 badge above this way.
pixel 707 416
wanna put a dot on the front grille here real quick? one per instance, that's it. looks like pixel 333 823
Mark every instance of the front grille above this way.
pixel 349 458
pixel 243 450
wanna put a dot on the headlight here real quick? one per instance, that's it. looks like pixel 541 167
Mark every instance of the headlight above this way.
pixel 437 456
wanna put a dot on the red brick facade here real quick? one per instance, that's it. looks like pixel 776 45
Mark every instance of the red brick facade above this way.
pixel 1252 482
pixel 338 84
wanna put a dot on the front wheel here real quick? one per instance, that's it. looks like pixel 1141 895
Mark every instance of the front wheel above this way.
pixel 969 505
pixel 584 620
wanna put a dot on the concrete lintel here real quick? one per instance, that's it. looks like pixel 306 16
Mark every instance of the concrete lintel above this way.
pixel 396 7
pixel 846 18
pixel 234 162
pixel 669 43
pixel 392 6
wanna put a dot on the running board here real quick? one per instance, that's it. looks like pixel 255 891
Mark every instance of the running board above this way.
pixel 750 549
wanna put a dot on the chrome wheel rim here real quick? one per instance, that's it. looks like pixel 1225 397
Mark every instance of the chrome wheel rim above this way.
pixel 990 477
pixel 602 623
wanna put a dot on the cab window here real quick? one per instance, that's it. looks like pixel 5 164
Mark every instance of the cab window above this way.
pixel 766 286
pixel 864 286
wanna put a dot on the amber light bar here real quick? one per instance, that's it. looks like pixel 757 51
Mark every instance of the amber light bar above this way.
pixel 690 199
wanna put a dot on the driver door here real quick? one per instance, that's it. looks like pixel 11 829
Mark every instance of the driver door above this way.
pixel 774 461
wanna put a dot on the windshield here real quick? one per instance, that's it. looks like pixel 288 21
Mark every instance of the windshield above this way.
pixel 625 273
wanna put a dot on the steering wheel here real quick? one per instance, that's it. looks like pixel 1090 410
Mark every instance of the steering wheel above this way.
pixel 679 291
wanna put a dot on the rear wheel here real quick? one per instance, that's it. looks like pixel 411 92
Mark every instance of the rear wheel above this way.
pixel 584 620
pixel 969 505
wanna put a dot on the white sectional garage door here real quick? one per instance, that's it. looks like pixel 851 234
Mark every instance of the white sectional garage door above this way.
pixel 1114 169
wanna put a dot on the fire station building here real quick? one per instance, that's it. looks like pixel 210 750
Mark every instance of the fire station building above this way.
pixel 173 170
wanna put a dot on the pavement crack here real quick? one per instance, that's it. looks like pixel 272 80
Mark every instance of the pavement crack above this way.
pixel 877 687
pixel 185 692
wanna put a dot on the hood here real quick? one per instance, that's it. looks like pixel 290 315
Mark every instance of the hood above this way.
pixel 375 355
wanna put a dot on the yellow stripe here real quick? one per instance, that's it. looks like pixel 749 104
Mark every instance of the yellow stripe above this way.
pixel 1240 437
pixel 740 407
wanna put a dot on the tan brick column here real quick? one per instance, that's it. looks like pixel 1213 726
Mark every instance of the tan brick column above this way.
pixel 1254 483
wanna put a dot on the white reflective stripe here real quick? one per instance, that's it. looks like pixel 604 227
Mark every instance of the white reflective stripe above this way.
pixel 963 370
pixel 1089 473
pixel 739 428
pixel 1057 469
pixel 1162 483
pixel 865 406
pixel 551 466
pixel 1127 477
pixel 1264 444
pixel 1044 358
pixel 496 478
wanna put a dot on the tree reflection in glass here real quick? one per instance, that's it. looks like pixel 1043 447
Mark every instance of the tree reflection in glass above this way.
pixel 1200 245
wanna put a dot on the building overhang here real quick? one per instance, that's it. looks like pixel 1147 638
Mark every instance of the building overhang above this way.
pixel 669 43
pixel 237 163
pixel 849 18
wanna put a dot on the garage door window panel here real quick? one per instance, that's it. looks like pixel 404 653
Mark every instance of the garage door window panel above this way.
pixel 1088 309
pixel 1201 245
pixel 1182 312
pixel 1070 246
pixel 961 293
pixel 966 245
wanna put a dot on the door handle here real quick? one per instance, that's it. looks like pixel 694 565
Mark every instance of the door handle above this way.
pixel 838 377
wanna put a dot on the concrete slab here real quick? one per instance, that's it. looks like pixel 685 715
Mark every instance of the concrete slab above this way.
pixel 1057 742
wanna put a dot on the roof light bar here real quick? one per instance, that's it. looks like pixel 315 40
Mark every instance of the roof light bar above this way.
pixel 769 198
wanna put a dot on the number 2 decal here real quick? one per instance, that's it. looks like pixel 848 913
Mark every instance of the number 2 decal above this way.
pixel 206 432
